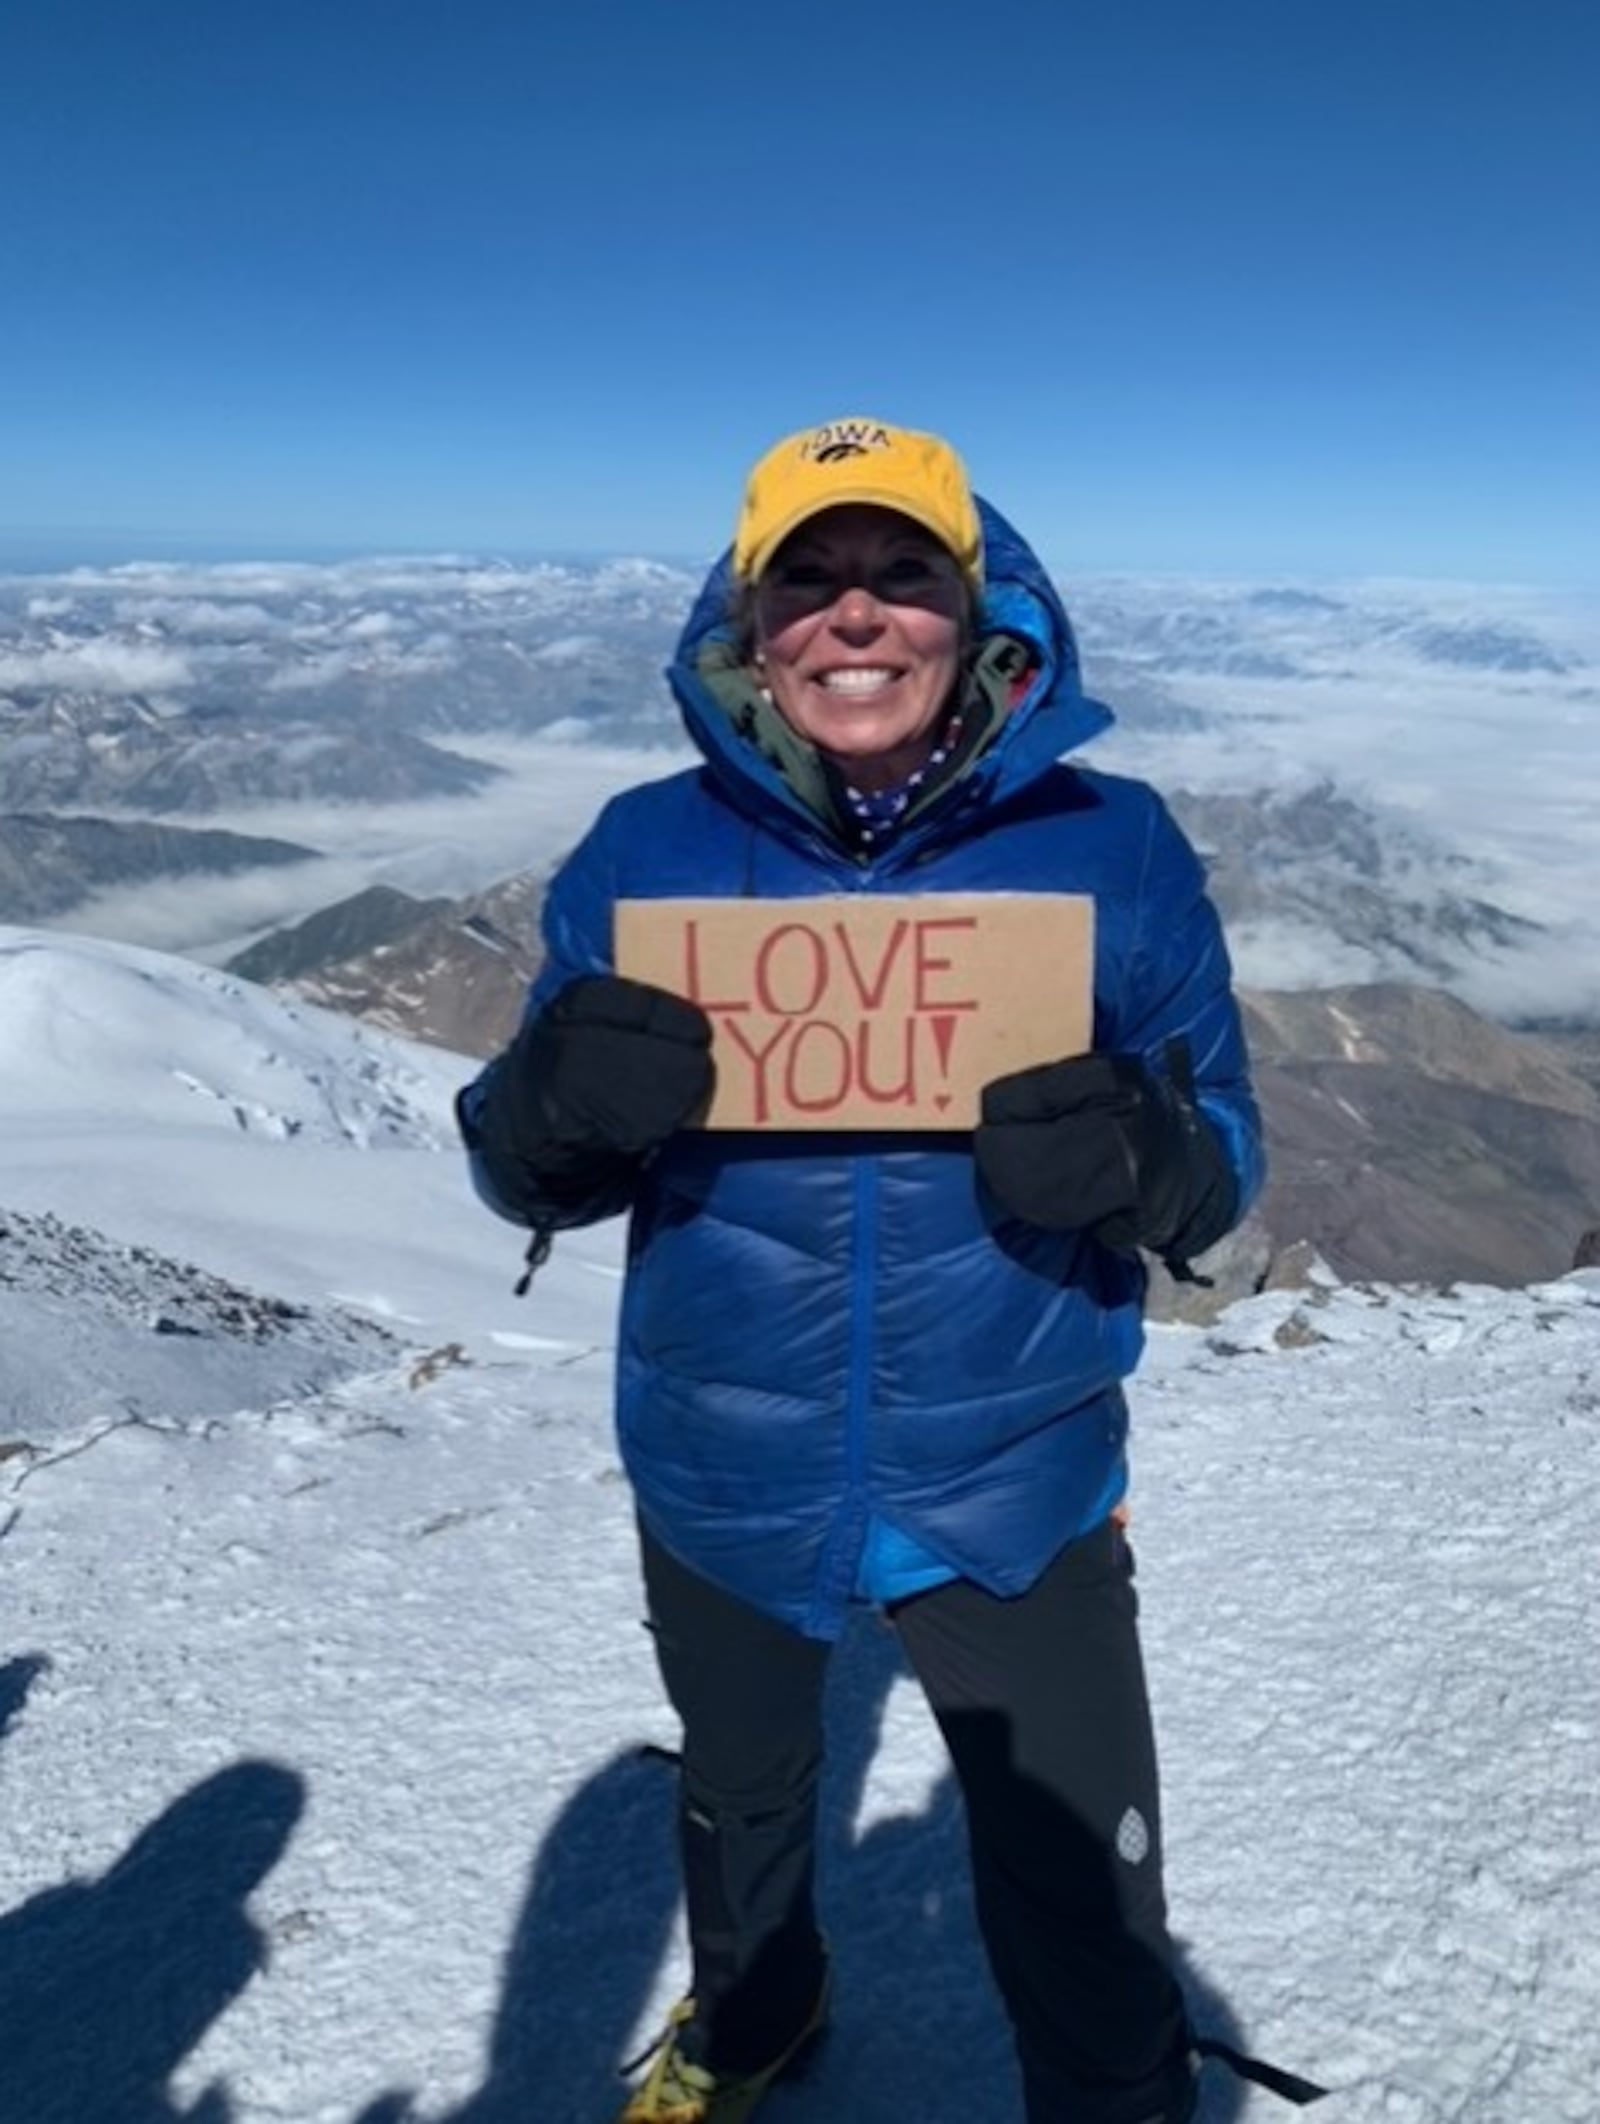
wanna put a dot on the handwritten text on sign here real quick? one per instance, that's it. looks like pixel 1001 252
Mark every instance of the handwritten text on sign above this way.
pixel 870 1012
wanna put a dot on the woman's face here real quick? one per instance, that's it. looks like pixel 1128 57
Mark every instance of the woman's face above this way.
pixel 859 631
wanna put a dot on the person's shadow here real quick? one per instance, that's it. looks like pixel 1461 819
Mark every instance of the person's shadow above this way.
pixel 17 1677
pixel 917 2027
pixel 107 1985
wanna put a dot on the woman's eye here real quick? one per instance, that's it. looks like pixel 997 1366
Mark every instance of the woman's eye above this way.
pixel 803 575
pixel 908 568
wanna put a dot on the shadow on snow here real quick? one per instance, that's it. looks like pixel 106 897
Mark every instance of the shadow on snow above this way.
pixel 17 1677
pixel 917 2027
pixel 106 1986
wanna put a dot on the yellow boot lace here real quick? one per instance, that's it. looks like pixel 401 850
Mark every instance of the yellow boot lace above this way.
pixel 673 2091
pixel 677 2091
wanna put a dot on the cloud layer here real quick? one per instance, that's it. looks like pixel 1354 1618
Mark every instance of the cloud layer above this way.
pixel 1463 720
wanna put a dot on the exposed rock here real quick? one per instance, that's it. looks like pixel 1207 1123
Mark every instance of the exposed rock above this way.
pixel 1298 1268
pixel 456 977
pixel 1412 1141
pixel 346 930
pixel 1576 1045
pixel 1297 1333
pixel 1414 1028
pixel 133 1333
pixel 1233 1269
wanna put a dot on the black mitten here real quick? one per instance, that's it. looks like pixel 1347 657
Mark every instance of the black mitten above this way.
pixel 596 1082
pixel 611 1063
pixel 1099 1144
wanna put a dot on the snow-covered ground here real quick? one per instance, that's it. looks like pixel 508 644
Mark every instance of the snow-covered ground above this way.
pixel 320 1715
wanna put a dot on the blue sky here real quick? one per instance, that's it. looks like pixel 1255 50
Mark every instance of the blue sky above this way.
pixel 1281 286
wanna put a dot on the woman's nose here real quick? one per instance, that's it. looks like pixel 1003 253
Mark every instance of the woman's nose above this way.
pixel 857 611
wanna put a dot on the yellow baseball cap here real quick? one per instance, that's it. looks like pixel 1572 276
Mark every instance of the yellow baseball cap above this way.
pixel 858 461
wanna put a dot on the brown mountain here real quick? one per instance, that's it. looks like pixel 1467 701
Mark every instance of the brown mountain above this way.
pixel 452 972
pixel 1412 1140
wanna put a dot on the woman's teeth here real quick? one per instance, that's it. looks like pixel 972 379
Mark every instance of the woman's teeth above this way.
pixel 858 678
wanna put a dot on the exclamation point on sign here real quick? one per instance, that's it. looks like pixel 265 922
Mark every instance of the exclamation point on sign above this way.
pixel 943 1027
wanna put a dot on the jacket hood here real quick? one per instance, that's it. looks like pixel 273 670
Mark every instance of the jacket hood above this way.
pixel 1053 715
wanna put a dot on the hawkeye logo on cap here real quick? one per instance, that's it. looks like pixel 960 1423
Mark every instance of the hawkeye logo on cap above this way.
pixel 845 438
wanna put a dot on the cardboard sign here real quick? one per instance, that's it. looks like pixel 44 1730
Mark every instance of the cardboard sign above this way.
pixel 858 1011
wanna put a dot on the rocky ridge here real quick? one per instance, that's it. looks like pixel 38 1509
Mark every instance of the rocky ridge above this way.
pixel 82 1314
pixel 454 973
pixel 50 863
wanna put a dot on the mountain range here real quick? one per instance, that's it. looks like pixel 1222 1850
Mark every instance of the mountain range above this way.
pixel 1391 785
pixel 51 863
pixel 1391 781
pixel 453 972
pixel 202 756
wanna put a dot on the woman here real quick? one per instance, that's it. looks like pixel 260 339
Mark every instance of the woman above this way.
pixel 879 1367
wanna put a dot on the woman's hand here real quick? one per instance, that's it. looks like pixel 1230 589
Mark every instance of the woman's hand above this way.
pixel 611 1066
pixel 1100 1144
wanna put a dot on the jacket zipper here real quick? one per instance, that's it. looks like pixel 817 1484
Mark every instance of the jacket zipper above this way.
pixel 863 1288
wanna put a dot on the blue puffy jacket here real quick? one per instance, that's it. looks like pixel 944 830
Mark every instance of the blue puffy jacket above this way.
pixel 826 1334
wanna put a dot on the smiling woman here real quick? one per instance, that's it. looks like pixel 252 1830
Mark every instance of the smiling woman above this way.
pixel 862 1366
pixel 860 622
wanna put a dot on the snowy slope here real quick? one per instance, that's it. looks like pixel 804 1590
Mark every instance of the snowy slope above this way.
pixel 92 1330
pixel 140 1037
pixel 280 1145
pixel 319 1715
